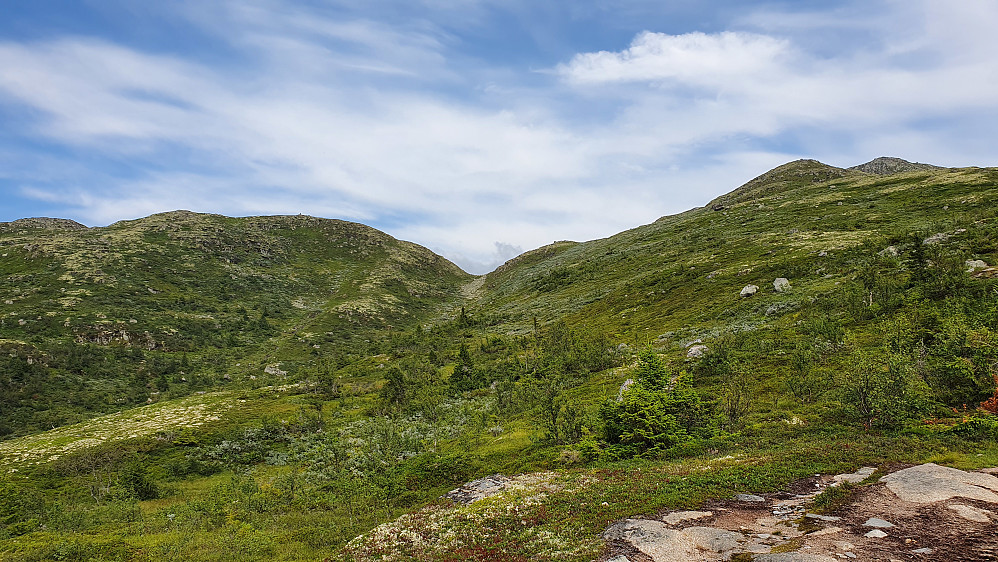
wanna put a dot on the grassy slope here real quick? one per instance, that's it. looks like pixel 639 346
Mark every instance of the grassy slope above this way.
pixel 687 270
pixel 200 299
pixel 665 284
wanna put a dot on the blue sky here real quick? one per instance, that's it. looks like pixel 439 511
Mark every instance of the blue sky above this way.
pixel 478 128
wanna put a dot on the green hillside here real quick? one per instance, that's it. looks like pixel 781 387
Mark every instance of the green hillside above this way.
pixel 314 386
pixel 103 318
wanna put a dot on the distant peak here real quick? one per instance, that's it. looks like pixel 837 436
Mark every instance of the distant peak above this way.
pixel 887 165
pixel 46 223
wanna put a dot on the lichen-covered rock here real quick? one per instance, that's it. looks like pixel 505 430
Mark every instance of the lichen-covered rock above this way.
pixel 781 284
pixel 749 290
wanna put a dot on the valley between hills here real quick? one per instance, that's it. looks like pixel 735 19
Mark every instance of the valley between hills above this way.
pixel 734 382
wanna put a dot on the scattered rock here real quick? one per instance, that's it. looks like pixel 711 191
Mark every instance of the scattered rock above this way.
pixel 974 265
pixel 749 290
pixel 889 251
pixel 781 284
pixel 937 238
pixel 855 477
pixel 878 523
pixel 619 559
pixel 749 498
pixel 930 483
pixel 677 517
pixel 623 388
pixel 972 513
pixel 822 254
pixel 662 544
pixel 274 370
pixel 922 551
pixel 479 489
pixel 696 351
pixel 875 534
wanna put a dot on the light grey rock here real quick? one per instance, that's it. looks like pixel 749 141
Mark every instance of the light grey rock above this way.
pixel 274 370
pixel 930 483
pixel 970 513
pixel 623 388
pixel 878 523
pixel 923 550
pixel 696 351
pixel 749 498
pixel 677 517
pixel 781 284
pixel 825 518
pixel 937 238
pixel 714 539
pixel 889 251
pixel 875 534
pixel 854 477
pixel 974 265
pixel 479 489
pixel 749 290
pixel 620 558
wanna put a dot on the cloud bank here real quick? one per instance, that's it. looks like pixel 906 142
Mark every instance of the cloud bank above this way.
pixel 349 113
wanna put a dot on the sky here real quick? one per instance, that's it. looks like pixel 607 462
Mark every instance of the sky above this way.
pixel 477 128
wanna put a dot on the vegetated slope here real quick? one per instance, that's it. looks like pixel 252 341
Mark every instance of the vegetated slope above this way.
pixel 100 318
pixel 805 221
pixel 884 330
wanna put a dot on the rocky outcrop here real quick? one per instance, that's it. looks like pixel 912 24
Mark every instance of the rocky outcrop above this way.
pixel 886 166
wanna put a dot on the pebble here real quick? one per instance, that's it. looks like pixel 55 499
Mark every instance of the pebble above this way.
pixel 876 534
pixel 922 551
pixel 879 523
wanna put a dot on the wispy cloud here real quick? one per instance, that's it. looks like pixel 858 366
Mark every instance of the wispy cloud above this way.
pixel 378 113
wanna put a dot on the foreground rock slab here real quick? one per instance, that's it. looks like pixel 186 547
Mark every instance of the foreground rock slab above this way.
pixel 931 483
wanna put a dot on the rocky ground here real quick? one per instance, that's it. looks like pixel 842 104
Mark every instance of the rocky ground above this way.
pixel 925 512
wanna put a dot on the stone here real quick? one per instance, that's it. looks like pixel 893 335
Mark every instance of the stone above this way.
pixel 875 534
pixel 749 498
pixel 696 351
pixel 620 558
pixel 677 517
pixel 274 370
pixel 713 539
pixel 781 284
pixel 878 523
pixel 923 550
pixel 936 238
pixel 889 251
pixel 973 265
pixel 652 538
pixel 974 514
pixel 749 290
pixel 854 477
pixel 930 483
pixel 662 544
pixel 623 388
pixel 479 489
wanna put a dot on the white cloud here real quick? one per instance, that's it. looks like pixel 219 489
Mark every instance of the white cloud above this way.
pixel 390 123
pixel 692 58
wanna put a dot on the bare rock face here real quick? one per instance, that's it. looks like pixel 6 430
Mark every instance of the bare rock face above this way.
pixel 479 489
pixel 886 166
pixel 930 483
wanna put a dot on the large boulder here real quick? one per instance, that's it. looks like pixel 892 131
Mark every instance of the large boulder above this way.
pixel 781 284
pixel 930 483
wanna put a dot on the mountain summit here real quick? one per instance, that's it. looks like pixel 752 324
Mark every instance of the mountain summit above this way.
pixel 886 166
